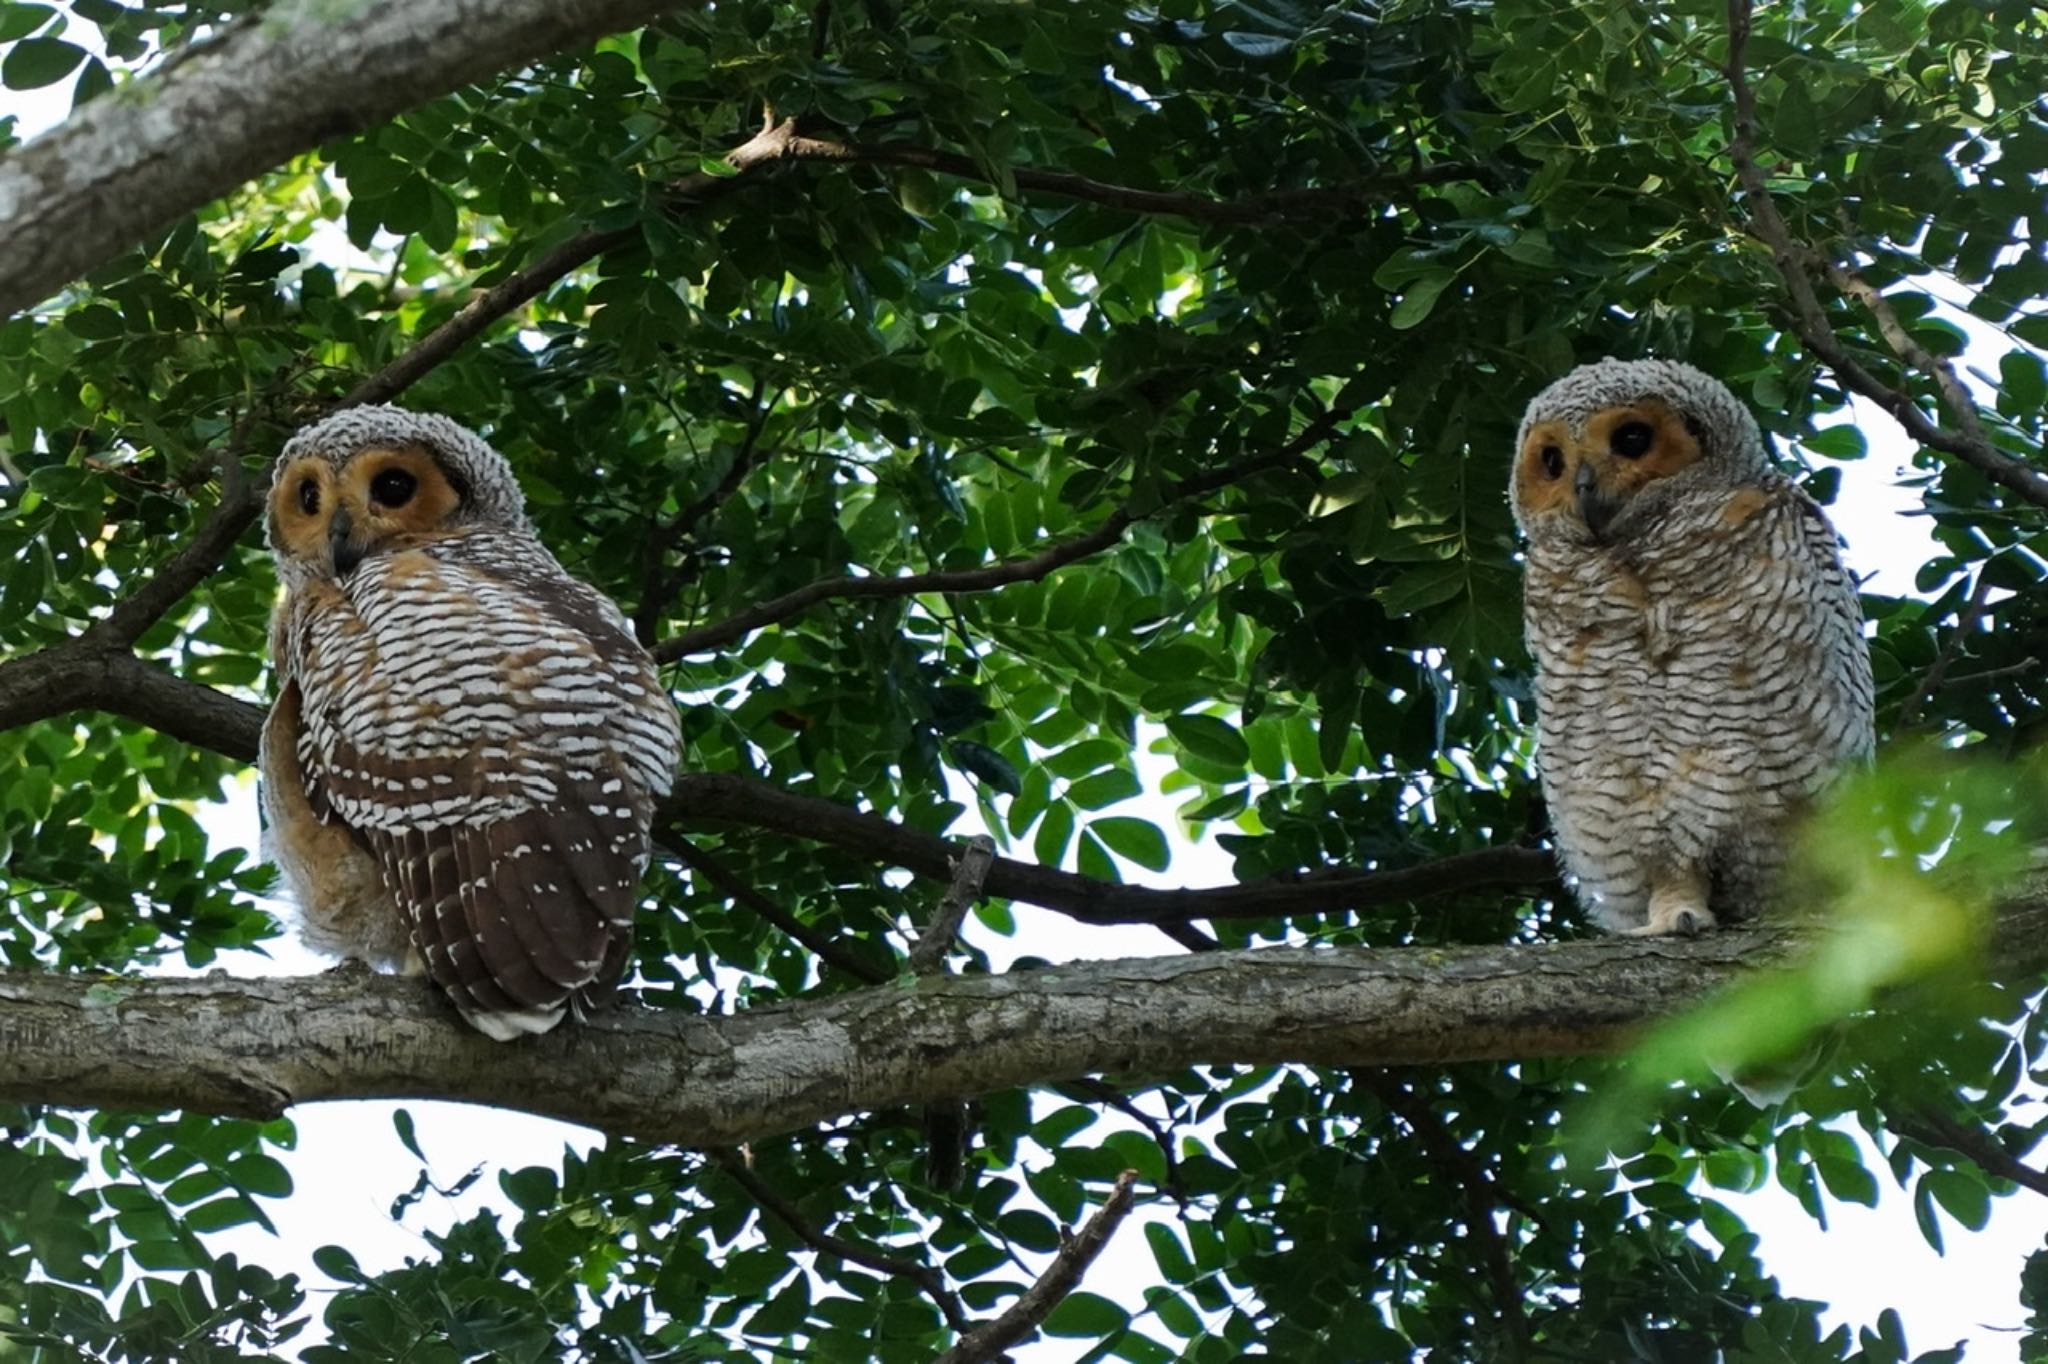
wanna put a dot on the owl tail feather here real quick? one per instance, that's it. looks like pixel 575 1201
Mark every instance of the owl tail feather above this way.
pixel 510 1026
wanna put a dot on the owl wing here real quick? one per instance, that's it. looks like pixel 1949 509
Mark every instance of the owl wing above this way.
pixel 1847 693
pixel 494 735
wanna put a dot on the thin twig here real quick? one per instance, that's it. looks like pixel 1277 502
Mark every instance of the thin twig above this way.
pixel 1482 1193
pixel 928 1280
pixel 928 953
pixel 714 870
pixel 1966 622
pixel 1796 262
pixel 1024 1316
pixel 658 580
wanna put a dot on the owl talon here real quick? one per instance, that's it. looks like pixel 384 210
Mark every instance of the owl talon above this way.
pixel 1683 922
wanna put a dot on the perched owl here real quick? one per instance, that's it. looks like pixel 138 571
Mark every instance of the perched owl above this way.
pixel 1701 670
pixel 462 761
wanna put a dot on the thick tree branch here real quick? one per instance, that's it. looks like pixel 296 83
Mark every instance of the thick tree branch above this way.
pixel 1797 263
pixel 257 1046
pixel 308 72
pixel 1061 1277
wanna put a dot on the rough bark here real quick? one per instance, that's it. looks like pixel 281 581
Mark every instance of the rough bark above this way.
pixel 266 89
pixel 257 1046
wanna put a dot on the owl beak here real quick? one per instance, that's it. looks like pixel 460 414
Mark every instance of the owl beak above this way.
pixel 341 543
pixel 1596 508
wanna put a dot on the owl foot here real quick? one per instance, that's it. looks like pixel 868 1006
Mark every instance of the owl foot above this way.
pixel 1687 921
pixel 1675 910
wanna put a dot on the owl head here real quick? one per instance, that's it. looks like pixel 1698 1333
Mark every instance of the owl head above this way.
pixel 368 477
pixel 1605 450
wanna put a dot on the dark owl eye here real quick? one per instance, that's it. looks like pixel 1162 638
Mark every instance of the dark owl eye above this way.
pixel 1553 462
pixel 309 496
pixel 1632 440
pixel 393 488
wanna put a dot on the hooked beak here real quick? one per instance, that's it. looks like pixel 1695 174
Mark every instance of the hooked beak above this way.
pixel 341 543
pixel 1596 508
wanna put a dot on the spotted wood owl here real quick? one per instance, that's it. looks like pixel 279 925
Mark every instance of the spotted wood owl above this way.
pixel 461 765
pixel 1701 672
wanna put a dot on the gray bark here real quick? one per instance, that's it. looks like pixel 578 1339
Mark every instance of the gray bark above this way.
pixel 255 1047
pixel 308 71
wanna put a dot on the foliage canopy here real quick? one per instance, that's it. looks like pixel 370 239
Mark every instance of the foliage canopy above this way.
pixel 1227 310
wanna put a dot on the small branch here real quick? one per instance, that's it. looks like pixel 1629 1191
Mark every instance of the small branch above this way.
pixel 658 581
pixel 240 501
pixel 1061 1277
pixel 714 870
pixel 792 604
pixel 1319 204
pixel 1966 622
pixel 1972 1143
pixel 1482 1192
pixel 928 953
pixel 1795 263
pixel 711 799
pixel 1028 569
pixel 928 1280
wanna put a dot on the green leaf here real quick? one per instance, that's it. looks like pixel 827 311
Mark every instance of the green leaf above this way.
pixel 1210 738
pixel 1136 839
pixel 1086 1315
pixel 987 764
pixel 1418 300
pixel 34 63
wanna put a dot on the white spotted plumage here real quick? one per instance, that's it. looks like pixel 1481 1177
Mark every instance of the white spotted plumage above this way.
pixel 1701 669
pixel 463 760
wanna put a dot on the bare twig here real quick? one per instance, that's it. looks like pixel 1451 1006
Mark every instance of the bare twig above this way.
pixel 821 946
pixel 1077 1251
pixel 928 953
pixel 1966 622
pixel 928 1280
pixel 1796 263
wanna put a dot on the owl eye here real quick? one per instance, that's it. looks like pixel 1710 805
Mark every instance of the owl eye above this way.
pixel 309 496
pixel 1553 462
pixel 1632 440
pixel 393 488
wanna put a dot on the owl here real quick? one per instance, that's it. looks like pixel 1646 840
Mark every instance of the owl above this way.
pixel 1701 673
pixel 462 762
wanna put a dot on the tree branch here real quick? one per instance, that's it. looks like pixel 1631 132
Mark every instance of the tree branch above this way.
pixel 1971 1142
pixel 1060 1278
pixel 928 953
pixel 310 72
pixel 702 799
pixel 1030 568
pixel 1966 622
pixel 928 1280
pixel 1320 203
pixel 1796 262
pixel 1481 1190
pixel 255 1047
pixel 715 871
